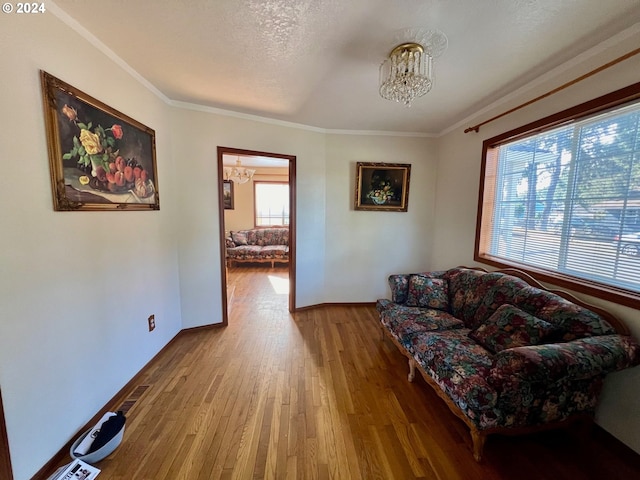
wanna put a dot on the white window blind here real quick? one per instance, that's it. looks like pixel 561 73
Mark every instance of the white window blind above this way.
pixel 568 199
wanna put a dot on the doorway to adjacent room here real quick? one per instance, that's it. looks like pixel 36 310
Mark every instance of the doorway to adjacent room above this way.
pixel 257 190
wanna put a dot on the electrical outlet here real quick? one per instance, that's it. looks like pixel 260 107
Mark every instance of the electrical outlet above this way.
pixel 152 322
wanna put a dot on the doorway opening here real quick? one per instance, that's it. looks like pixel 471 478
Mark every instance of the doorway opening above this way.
pixel 261 195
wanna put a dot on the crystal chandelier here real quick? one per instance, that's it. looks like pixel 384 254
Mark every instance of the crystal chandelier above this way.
pixel 238 174
pixel 408 72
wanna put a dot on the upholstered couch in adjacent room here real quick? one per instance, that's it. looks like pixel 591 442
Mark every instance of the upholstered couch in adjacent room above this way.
pixel 507 355
pixel 258 245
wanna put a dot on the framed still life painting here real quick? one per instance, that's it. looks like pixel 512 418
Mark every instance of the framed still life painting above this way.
pixel 100 159
pixel 382 186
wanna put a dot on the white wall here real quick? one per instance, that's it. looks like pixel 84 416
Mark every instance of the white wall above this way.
pixel 363 247
pixel 459 160
pixel 76 288
pixel 196 134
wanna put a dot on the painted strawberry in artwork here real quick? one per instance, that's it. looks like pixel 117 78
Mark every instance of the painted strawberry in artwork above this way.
pixel 96 151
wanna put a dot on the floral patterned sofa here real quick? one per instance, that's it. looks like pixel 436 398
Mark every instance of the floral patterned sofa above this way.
pixel 506 355
pixel 258 245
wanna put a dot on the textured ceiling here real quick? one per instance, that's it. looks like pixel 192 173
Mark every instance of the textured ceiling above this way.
pixel 315 62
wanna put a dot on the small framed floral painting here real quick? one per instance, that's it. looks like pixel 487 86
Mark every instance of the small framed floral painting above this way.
pixel 100 159
pixel 227 192
pixel 382 186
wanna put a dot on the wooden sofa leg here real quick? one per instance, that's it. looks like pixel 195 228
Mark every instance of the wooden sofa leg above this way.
pixel 478 440
pixel 412 370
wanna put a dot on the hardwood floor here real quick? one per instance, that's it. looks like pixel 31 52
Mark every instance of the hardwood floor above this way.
pixel 316 395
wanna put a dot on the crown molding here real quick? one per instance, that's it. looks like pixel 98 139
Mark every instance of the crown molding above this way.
pixel 93 40
pixel 514 95
pixel 381 133
pixel 246 116
pixel 98 44
pixel 546 77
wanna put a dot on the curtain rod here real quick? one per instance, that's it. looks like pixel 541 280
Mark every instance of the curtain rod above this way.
pixel 476 128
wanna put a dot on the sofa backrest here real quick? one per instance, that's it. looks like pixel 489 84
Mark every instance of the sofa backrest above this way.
pixel 574 320
pixel 262 236
pixel 475 295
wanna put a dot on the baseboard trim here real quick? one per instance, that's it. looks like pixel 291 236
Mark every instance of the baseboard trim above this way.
pixel 335 304
pixel 202 327
pixel 62 457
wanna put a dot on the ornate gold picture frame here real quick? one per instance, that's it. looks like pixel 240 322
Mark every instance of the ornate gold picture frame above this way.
pixel 100 159
pixel 382 186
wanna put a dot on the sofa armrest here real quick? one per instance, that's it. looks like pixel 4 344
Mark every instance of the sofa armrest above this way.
pixel 382 304
pixel 229 242
pixel 576 360
pixel 399 284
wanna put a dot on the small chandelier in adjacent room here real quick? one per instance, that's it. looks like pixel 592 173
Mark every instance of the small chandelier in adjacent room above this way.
pixel 238 174
pixel 408 72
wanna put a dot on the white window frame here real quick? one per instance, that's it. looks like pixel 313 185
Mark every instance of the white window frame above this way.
pixel 285 216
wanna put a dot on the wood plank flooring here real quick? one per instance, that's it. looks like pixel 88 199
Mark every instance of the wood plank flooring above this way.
pixel 318 395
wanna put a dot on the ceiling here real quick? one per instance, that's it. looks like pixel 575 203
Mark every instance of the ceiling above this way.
pixel 254 161
pixel 315 62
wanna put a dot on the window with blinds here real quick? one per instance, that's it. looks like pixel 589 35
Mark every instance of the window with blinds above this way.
pixel 271 203
pixel 565 200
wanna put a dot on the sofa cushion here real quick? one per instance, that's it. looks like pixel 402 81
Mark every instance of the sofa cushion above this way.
pixel 274 251
pixel 461 368
pixel 510 327
pixel 475 294
pixel 574 320
pixel 239 238
pixel 427 292
pixel 403 321
pixel 245 252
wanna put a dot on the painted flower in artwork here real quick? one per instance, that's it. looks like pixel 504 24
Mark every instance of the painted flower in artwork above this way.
pixel 117 131
pixel 97 153
pixel 90 142
pixel 93 146
pixel 381 189
pixel 70 112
